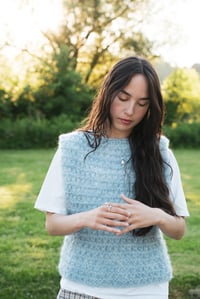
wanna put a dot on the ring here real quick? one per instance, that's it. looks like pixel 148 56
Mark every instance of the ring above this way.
pixel 109 207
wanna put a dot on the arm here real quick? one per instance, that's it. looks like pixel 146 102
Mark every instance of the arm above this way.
pixel 144 216
pixel 172 226
pixel 98 219
pixel 57 224
pixel 141 215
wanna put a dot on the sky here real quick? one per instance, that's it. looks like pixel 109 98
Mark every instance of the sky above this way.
pixel 178 22
pixel 21 25
pixel 172 24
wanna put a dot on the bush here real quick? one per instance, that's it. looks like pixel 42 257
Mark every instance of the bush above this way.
pixel 28 133
pixel 184 135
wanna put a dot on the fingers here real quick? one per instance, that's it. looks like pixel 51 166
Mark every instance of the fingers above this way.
pixel 126 230
pixel 126 199
pixel 129 216
pixel 116 222
pixel 114 215
pixel 109 229
pixel 110 217
pixel 108 206
pixel 116 208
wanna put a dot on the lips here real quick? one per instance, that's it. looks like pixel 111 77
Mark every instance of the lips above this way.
pixel 125 121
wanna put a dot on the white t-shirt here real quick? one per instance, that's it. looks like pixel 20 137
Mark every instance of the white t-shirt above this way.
pixel 51 199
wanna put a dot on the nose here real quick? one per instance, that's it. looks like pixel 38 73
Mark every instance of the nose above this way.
pixel 130 108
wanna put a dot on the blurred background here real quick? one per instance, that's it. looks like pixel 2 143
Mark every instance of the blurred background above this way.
pixel 55 53
pixel 53 57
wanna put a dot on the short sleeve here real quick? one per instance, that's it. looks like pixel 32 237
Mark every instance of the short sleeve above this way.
pixel 51 196
pixel 176 188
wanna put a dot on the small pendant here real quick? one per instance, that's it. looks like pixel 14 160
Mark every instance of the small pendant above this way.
pixel 122 162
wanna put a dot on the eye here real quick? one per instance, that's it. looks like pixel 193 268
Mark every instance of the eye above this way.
pixel 143 103
pixel 123 99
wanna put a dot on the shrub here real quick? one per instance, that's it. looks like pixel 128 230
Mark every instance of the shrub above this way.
pixel 28 133
pixel 184 135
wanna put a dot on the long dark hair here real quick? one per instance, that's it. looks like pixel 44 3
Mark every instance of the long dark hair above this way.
pixel 150 186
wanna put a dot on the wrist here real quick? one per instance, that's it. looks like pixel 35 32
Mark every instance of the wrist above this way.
pixel 160 217
pixel 81 220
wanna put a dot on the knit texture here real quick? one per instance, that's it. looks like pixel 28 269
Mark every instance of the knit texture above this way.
pixel 97 258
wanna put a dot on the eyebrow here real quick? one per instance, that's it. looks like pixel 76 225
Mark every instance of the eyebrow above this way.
pixel 128 94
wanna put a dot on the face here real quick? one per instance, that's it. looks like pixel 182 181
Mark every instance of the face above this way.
pixel 129 107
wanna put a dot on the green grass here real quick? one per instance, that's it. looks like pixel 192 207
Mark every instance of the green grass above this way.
pixel 185 254
pixel 29 257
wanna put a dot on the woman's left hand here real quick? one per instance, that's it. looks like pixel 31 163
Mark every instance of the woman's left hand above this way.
pixel 140 215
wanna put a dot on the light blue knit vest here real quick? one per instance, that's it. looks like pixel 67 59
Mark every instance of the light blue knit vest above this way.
pixel 98 258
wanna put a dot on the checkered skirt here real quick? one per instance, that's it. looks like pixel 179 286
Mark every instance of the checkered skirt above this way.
pixel 64 294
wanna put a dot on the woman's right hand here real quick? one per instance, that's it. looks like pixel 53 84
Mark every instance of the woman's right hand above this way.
pixel 108 217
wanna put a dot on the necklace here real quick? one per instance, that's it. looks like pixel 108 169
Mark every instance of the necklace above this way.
pixel 123 162
pixel 127 174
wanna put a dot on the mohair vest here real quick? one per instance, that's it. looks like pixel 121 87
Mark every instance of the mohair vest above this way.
pixel 98 258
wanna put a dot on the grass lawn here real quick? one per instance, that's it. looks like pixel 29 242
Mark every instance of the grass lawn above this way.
pixel 28 256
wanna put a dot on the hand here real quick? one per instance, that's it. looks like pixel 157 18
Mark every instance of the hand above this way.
pixel 107 217
pixel 140 215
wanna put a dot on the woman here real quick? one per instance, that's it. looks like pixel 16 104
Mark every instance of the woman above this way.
pixel 112 189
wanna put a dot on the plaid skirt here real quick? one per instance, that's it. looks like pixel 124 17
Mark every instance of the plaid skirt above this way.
pixel 64 294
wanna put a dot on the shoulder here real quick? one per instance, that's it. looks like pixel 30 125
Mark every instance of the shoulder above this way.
pixel 164 148
pixel 75 137
pixel 166 152
pixel 72 136
pixel 74 143
pixel 164 143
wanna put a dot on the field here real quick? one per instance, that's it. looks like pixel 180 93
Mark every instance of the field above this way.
pixel 28 256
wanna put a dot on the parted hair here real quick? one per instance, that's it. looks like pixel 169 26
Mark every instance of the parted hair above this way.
pixel 150 186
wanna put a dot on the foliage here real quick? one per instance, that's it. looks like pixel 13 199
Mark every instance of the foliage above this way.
pixel 28 133
pixel 61 89
pixel 182 96
pixel 64 73
pixel 29 256
pixel 95 30
pixel 184 135
pixel 5 104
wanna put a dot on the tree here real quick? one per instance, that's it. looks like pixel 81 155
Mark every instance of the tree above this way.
pixel 89 41
pixel 182 96
pixel 95 32
pixel 61 90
